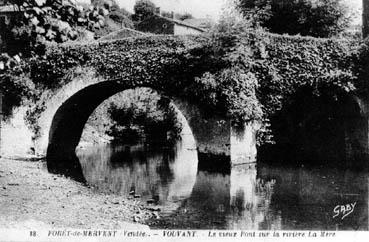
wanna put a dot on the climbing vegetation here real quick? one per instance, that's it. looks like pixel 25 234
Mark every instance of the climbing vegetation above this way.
pixel 243 77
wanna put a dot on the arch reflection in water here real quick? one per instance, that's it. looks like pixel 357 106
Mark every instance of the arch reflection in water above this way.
pixel 225 201
pixel 167 175
pixel 270 198
pixel 250 200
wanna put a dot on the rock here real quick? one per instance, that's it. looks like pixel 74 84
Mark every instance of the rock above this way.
pixel 137 196
pixel 132 193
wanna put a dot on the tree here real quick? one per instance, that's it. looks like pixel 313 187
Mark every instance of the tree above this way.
pixel 167 14
pixel 45 20
pixel 38 22
pixel 121 16
pixel 232 22
pixel 318 18
pixel 115 20
pixel 111 5
pixel 143 9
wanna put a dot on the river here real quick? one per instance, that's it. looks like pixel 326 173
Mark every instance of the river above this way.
pixel 265 197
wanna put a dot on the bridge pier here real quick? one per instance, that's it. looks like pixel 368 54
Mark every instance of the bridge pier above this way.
pixel 220 144
pixel 220 138
pixel 243 143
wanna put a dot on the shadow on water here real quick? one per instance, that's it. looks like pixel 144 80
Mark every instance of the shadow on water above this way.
pixel 214 163
pixel 66 163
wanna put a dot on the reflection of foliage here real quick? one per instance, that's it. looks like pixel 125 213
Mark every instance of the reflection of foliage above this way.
pixel 143 116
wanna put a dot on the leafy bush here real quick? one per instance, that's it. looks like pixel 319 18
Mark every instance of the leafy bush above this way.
pixel 44 20
pixel 143 9
pixel 16 86
pixel 318 18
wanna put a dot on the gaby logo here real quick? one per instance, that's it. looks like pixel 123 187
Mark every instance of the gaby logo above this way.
pixel 344 210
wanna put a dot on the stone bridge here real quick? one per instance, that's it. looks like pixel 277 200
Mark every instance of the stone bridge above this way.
pixel 61 112
pixel 64 118
pixel 83 76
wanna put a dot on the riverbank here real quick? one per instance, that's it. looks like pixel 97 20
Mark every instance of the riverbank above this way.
pixel 32 197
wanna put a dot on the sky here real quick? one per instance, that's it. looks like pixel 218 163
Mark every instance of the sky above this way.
pixel 211 8
pixel 198 8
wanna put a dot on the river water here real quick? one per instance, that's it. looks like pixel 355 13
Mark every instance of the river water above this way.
pixel 263 197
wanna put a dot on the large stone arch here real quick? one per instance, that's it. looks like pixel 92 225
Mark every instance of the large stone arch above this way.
pixel 67 110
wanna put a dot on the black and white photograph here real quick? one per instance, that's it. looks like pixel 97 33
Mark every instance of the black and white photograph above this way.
pixel 159 120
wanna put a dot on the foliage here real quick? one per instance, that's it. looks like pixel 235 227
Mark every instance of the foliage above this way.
pixel 113 26
pixel 45 20
pixel 143 9
pixel 232 22
pixel 111 5
pixel 242 77
pixel 16 86
pixel 321 18
pixel 143 116
pixel 122 16
pixel 37 22
pixel 255 12
pixel 115 20
pixel 167 14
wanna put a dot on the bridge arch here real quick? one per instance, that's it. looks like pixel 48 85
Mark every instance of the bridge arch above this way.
pixel 319 129
pixel 68 109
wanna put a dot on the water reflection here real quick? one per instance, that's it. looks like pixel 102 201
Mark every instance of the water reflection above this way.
pixel 306 198
pixel 250 200
pixel 266 197
pixel 166 176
